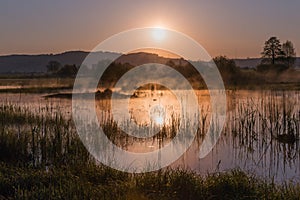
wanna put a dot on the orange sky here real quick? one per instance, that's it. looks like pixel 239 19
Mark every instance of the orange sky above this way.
pixel 236 28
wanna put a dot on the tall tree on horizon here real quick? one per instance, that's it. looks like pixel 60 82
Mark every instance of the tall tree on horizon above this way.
pixel 272 50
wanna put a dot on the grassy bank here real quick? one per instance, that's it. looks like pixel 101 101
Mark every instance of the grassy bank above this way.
pixel 97 182
pixel 42 84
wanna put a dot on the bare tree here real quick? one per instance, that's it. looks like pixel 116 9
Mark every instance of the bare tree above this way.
pixel 289 53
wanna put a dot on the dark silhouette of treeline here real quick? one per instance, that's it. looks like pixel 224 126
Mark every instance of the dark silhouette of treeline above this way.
pixel 277 66
pixel 232 75
pixel 56 69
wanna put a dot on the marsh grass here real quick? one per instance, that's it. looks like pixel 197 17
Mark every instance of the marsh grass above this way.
pixel 269 125
pixel 38 139
pixel 41 157
pixel 235 184
pixel 98 182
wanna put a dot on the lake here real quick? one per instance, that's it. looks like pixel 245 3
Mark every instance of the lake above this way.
pixel 261 133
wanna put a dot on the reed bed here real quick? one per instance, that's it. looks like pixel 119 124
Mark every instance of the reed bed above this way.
pixel 266 129
pixel 42 157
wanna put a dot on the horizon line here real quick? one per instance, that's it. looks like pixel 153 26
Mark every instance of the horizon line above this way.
pixel 86 51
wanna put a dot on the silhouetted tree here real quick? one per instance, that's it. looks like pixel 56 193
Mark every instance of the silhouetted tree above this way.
pixel 228 69
pixel 68 70
pixel 225 65
pixel 53 66
pixel 289 53
pixel 272 50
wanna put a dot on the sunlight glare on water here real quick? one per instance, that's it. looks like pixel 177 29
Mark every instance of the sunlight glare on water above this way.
pixel 157 114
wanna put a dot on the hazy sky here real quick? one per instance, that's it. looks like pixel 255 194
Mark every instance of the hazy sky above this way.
pixel 236 28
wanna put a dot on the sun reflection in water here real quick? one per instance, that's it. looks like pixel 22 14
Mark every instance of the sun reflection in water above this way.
pixel 157 114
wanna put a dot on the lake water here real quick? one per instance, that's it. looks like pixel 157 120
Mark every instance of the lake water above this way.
pixel 250 139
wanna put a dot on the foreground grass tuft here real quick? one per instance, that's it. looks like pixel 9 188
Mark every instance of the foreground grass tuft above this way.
pixel 99 182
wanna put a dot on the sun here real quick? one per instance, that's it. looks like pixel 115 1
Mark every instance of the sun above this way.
pixel 158 33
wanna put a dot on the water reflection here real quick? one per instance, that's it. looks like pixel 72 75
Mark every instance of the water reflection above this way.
pixel 261 133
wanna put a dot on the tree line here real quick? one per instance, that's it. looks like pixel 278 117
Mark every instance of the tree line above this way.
pixel 276 58
pixel 56 68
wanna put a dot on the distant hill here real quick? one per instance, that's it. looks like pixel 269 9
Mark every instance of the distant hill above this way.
pixel 37 63
pixel 141 58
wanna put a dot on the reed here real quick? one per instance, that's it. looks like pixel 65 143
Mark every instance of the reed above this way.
pixel 41 156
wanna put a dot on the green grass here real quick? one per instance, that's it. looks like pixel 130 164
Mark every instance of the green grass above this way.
pixel 98 182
